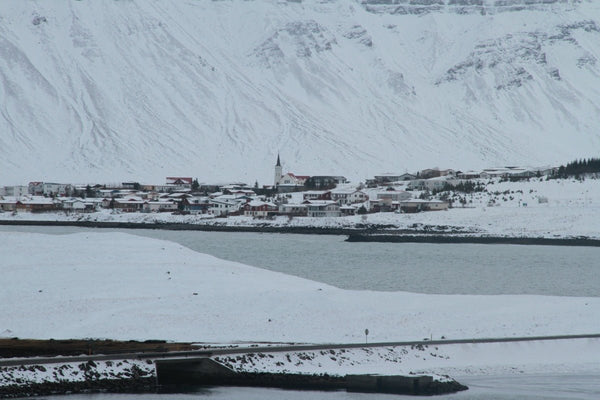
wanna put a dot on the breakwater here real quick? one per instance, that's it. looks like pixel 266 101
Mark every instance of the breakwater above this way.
pixel 453 239
pixel 358 233
pixel 208 372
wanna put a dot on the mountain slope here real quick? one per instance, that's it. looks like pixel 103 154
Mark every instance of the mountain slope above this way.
pixel 141 90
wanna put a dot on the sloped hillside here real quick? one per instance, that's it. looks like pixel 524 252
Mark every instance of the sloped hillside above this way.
pixel 116 90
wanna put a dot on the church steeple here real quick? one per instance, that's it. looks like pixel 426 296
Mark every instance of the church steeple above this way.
pixel 278 172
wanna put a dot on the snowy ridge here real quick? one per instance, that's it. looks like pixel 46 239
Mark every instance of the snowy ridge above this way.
pixel 142 90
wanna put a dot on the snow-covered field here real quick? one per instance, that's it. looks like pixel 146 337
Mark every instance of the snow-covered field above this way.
pixel 572 209
pixel 120 286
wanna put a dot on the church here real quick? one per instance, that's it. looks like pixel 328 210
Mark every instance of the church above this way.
pixel 288 182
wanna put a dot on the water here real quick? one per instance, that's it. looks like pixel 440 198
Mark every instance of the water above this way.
pixel 530 387
pixel 412 267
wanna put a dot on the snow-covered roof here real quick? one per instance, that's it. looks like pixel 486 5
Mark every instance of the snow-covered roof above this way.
pixel 260 203
pixel 421 201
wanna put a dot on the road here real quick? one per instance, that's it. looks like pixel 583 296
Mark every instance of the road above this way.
pixel 274 349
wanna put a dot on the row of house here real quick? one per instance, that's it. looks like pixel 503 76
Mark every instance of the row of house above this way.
pixel 449 175
pixel 184 195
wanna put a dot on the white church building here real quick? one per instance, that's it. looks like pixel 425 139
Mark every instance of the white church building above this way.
pixel 287 182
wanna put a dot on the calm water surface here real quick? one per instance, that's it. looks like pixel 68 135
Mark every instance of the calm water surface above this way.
pixel 412 267
pixel 536 387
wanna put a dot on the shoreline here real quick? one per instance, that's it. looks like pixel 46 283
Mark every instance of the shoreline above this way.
pixel 134 385
pixel 153 373
pixel 453 239
pixel 368 233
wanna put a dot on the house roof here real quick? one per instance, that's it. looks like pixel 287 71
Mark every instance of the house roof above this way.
pixel 260 203
pixel 176 180
pixel 421 201
pixel 316 192
pixel 320 202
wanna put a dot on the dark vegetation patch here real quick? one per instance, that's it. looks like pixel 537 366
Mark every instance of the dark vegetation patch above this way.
pixel 37 348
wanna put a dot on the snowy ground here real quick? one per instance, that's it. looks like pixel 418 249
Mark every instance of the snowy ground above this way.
pixel 75 372
pixel 120 286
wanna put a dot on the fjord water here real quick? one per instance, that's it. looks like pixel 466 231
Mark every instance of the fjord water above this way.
pixel 412 267
pixel 540 387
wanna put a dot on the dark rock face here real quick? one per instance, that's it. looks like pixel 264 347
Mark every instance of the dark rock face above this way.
pixel 419 7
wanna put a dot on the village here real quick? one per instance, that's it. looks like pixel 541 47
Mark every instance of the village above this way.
pixel 290 195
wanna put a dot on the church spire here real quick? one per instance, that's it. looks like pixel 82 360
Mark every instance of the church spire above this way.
pixel 278 171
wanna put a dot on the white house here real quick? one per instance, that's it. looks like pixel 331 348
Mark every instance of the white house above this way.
pixel 349 196
pixel 416 205
pixel 298 210
pixel 129 204
pixel 159 206
pixel 225 205
pixel 74 205
pixel 388 196
pixel 316 195
pixel 57 189
pixel 15 191
pixel 436 183
pixel 259 209
pixel 322 208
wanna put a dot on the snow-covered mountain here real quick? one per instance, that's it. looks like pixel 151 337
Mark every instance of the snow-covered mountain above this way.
pixel 132 89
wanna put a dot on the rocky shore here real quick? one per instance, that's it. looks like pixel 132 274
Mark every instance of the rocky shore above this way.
pixel 121 385
pixel 359 233
pixel 123 376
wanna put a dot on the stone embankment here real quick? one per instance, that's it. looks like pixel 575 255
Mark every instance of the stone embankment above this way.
pixel 437 238
pixel 209 372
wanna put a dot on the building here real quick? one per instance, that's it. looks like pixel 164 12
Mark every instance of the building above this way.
pixel 388 196
pixel 195 205
pixel 437 183
pixel 260 209
pixel 417 205
pixel 56 189
pixel 468 175
pixel 288 182
pixel 128 204
pixel 175 184
pixel 349 196
pixel 36 204
pixel 322 208
pixel 294 210
pixel 316 195
pixel 224 205
pixel 278 172
pixel 8 204
pixel 388 177
pixel 324 181
pixel 159 206
pixel 15 191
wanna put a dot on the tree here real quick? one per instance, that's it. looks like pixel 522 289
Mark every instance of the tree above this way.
pixel 195 185
pixel 89 192
pixel 361 211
